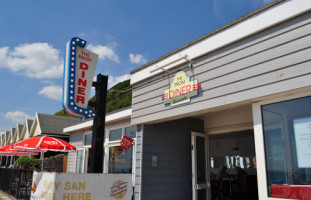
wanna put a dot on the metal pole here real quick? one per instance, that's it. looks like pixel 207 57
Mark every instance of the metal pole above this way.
pixel 42 160
pixel 96 165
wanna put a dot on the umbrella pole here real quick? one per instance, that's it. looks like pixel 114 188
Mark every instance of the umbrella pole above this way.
pixel 42 158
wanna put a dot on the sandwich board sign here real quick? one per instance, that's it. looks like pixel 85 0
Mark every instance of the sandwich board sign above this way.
pixel 79 69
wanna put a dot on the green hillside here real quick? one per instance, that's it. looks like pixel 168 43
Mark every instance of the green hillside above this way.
pixel 118 97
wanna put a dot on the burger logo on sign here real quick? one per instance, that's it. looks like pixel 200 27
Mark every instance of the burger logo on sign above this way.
pixel 118 189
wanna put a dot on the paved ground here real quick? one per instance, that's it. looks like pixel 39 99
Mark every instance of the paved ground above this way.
pixel 4 196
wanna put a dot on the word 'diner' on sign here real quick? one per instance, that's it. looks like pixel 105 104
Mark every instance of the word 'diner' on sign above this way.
pixel 181 90
pixel 79 69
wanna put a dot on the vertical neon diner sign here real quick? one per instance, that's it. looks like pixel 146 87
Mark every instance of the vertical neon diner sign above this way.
pixel 79 69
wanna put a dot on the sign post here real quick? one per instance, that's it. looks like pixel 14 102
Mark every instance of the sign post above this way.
pixel 96 165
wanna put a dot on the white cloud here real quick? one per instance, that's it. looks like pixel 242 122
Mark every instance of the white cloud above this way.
pixel 36 60
pixel 117 79
pixel 17 116
pixel 137 59
pixel 52 92
pixel 104 52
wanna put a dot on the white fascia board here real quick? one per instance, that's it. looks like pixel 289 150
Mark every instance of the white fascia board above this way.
pixel 109 118
pixel 77 127
pixel 119 115
pixel 261 21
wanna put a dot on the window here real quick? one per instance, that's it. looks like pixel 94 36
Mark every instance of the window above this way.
pixel 120 160
pixel 87 139
pixel 287 137
pixel 79 161
pixel 115 134
pixel 131 131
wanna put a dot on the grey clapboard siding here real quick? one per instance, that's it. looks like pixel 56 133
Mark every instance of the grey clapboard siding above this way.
pixel 171 142
pixel 272 61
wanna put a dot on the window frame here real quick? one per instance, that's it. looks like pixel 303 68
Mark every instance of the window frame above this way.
pixel 83 160
pixel 108 144
pixel 84 135
pixel 259 139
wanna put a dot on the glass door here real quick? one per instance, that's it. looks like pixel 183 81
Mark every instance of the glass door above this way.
pixel 200 180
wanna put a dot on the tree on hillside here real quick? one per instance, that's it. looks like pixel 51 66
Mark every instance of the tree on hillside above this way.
pixel 118 97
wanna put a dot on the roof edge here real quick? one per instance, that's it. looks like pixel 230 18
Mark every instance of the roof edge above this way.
pixel 110 117
pixel 234 22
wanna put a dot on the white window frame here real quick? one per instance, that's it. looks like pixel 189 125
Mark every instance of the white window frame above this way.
pixel 259 140
pixel 84 134
pixel 83 159
pixel 108 144
pixel 86 151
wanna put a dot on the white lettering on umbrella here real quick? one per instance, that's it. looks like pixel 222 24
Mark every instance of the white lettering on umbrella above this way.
pixel 49 142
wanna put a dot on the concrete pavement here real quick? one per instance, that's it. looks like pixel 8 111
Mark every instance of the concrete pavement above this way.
pixel 4 196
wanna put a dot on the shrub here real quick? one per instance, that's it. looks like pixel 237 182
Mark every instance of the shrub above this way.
pixel 25 162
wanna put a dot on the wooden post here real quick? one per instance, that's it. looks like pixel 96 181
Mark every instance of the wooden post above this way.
pixel 96 165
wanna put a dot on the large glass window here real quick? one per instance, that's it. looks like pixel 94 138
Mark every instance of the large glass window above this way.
pixel 287 136
pixel 120 160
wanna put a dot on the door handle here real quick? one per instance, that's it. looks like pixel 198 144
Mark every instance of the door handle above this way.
pixel 201 186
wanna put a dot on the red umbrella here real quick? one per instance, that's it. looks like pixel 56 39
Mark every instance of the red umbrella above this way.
pixel 8 150
pixel 43 144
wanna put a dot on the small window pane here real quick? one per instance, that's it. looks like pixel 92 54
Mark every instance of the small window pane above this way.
pixel 79 162
pixel 131 131
pixel 87 139
pixel 120 160
pixel 115 134
pixel 287 131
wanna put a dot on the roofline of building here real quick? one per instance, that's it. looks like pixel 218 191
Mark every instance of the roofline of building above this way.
pixel 249 24
pixel 111 117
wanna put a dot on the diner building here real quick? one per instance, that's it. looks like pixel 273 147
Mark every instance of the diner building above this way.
pixel 228 115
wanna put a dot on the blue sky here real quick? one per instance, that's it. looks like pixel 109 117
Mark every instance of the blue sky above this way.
pixel 125 33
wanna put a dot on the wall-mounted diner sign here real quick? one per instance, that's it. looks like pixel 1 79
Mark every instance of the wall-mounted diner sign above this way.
pixel 181 90
pixel 79 69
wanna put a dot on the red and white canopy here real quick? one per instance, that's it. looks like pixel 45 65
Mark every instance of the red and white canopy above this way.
pixel 43 144
pixel 8 150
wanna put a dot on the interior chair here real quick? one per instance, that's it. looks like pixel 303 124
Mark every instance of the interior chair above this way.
pixel 240 190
